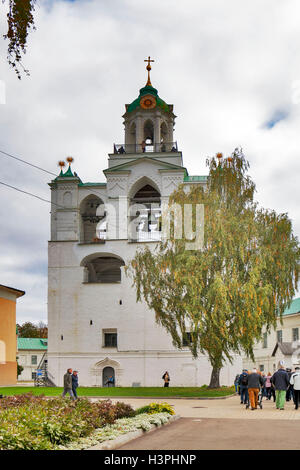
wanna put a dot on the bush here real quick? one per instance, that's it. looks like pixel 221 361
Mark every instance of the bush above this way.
pixel 156 408
pixel 29 422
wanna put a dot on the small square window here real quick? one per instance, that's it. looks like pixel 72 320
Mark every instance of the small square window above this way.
pixel 295 334
pixel 279 336
pixel 265 340
pixel 110 340
pixel 34 360
pixel 186 339
pixel 261 368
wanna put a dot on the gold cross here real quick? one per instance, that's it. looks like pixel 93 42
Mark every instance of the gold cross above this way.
pixel 148 68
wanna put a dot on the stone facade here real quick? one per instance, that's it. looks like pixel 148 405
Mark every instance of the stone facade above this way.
pixel 267 355
pixel 8 336
pixel 95 324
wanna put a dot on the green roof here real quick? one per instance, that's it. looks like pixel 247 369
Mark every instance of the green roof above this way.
pixel 293 308
pixel 194 178
pixel 92 184
pixel 148 90
pixel 33 343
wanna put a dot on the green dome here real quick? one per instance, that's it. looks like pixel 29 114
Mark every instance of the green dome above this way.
pixel 148 90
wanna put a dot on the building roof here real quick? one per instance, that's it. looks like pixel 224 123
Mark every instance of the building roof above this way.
pixel 33 343
pixel 17 292
pixel 148 89
pixel 286 349
pixel 192 179
pixel 293 308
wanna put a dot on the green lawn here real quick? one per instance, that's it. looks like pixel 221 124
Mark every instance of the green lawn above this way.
pixel 125 391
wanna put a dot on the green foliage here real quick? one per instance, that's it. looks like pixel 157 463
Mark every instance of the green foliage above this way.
pixel 30 330
pixel 156 408
pixel 20 20
pixel 19 368
pixel 38 423
pixel 245 275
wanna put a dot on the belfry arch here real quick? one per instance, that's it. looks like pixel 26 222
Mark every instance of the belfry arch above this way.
pixel 90 216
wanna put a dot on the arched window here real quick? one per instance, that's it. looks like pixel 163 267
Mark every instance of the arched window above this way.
pixel 164 138
pixel 149 134
pixel 103 269
pixel 146 214
pixel 90 217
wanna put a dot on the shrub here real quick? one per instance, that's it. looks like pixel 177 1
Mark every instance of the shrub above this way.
pixel 36 423
pixel 156 408
pixel 123 410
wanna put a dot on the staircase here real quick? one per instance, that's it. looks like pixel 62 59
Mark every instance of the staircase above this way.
pixel 43 377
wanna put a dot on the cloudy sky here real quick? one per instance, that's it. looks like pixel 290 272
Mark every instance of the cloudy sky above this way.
pixel 231 69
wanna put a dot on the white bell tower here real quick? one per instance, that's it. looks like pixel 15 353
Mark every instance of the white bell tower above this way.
pixel 149 122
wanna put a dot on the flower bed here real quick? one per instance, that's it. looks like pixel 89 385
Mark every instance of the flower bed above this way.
pixel 38 423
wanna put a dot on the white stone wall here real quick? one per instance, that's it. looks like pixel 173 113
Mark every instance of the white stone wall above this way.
pixel 24 360
pixel 145 350
pixel 263 356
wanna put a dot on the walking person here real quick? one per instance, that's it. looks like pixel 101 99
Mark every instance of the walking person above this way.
pixel 254 382
pixel 243 383
pixel 75 383
pixel 68 384
pixel 236 383
pixel 281 382
pixel 166 378
pixel 295 382
pixel 289 392
pixel 268 386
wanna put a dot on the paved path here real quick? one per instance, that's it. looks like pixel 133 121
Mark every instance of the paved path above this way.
pixel 221 434
pixel 221 424
pixel 229 408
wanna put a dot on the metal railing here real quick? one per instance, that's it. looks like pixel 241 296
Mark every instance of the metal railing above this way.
pixel 145 148
pixel 151 236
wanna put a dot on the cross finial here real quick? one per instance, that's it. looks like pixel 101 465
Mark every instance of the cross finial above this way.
pixel 148 68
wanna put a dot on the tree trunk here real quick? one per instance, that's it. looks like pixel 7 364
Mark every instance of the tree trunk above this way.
pixel 215 378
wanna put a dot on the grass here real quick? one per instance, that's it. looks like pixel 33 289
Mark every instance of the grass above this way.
pixel 200 392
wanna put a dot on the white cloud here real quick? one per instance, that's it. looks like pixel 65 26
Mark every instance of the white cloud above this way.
pixel 226 66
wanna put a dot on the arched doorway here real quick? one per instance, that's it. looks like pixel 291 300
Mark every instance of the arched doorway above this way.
pixel 108 377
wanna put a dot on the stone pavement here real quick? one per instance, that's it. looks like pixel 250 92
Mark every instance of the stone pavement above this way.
pixel 230 408
pixel 221 434
pixel 222 425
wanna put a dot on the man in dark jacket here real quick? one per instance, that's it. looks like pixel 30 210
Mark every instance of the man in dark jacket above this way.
pixel 68 384
pixel 75 383
pixel 281 382
pixel 243 380
pixel 255 381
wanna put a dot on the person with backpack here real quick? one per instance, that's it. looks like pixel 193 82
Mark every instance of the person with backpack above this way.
pixel 295 382
pixel 243 383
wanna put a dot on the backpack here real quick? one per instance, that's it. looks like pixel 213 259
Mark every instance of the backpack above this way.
pixel 244 379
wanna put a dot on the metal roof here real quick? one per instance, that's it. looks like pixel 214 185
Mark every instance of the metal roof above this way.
pixel 293 308
pixel 33 343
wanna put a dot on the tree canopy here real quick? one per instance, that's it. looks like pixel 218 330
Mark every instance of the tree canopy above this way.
pixel 240 281
pixel 30 330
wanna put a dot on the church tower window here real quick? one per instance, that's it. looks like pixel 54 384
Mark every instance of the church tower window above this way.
pixel 90 217
pixel 103 269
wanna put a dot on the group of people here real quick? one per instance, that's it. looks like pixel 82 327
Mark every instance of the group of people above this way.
pixel 71 384
pixel 283 386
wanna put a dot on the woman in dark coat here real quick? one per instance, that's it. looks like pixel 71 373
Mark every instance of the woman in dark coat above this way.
pixel 166 378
